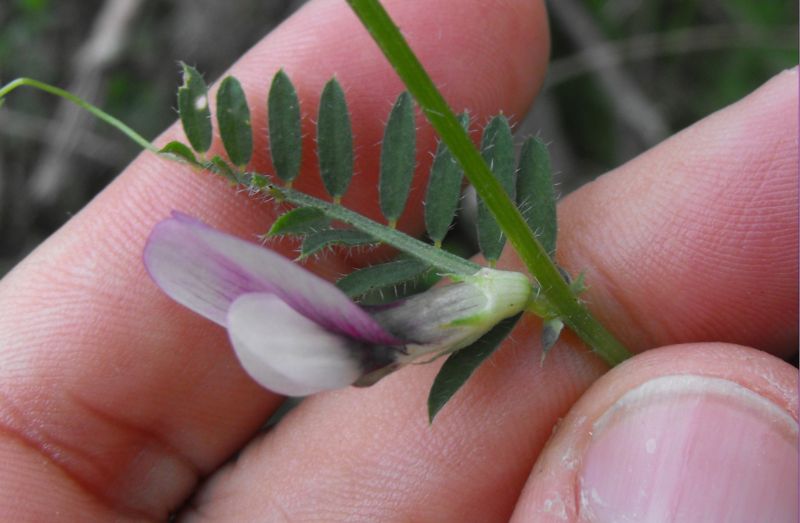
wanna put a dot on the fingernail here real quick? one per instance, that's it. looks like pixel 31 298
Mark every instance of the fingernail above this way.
pixel 691 449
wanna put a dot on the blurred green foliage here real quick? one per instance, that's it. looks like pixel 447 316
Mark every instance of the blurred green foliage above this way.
pixel 713 53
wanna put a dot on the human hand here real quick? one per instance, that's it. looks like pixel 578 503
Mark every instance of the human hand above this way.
pixel 117 402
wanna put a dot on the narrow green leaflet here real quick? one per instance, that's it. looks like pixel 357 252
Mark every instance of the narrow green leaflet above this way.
pixel 285 135
pixel 381 276
pixel 303 220
pixel 460 365
pixel 398 156
pixel 193 109
pixel 334 140
pixel 233 117
pixel 316 241
pixel 444 190
pixel 225 170
pixel 535 195
pixel 180 152
pixel 497 148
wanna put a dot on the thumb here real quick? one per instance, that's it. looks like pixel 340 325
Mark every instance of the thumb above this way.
pixel 690 433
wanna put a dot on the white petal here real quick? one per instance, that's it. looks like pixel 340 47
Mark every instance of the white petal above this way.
pixel 285 351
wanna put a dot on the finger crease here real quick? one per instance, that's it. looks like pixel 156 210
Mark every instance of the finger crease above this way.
pixel 15 426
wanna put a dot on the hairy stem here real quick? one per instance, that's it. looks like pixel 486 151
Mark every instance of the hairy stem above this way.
pixel 439 258
pixel 397 51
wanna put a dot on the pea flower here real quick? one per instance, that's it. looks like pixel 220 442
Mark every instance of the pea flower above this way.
pixel 297 334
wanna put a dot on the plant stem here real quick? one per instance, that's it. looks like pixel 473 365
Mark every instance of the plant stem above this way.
pixel 96 111
pixel 397 51
pixel 439 258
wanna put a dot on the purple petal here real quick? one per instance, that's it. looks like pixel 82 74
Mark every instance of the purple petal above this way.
pixel 206 270
pixel 286 352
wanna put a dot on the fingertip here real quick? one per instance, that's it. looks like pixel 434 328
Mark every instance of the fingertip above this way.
pixel 692 433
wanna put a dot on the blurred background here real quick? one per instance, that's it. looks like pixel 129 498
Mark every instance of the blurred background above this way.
pixel 625 74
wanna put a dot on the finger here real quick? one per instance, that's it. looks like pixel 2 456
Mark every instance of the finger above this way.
pixel 696 240
pixel 698 432
pixel 126 397
pixel 370 454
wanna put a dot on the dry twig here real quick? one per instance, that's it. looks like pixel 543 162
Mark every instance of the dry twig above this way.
pixel 680 41
pixel 105 42
pixel 630 103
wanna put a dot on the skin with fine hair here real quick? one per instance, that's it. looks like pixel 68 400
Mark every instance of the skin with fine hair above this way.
pixel 118 404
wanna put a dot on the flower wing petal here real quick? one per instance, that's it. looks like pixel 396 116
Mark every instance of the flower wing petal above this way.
pixel 286 352
pixel 206 270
